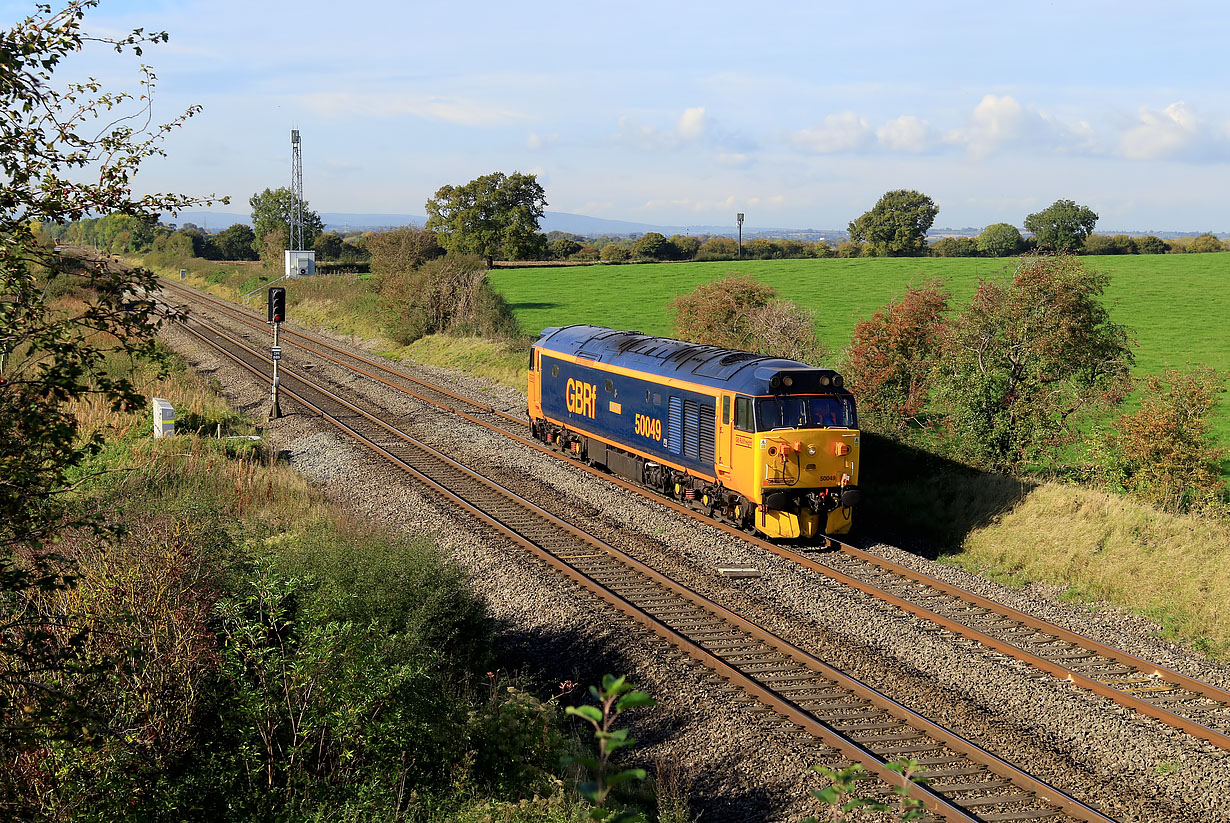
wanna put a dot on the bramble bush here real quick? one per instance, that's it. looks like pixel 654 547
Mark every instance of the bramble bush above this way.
pixel 449 295
pixel 739 313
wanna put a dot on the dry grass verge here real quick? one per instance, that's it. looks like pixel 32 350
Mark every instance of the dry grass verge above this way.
pixel 1174 569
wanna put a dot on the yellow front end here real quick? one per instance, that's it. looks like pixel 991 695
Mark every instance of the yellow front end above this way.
pixel 804 460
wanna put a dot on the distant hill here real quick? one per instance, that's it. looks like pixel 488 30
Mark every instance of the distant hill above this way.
pixel 552 221
pixel 599 226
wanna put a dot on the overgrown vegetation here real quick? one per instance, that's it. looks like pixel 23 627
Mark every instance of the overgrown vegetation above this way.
pixel 447 295
pixel 739 313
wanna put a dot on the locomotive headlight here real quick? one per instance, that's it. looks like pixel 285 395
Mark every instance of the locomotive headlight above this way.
pixel 811 448
pixel 824 380
pixel 788 381
pixel 837 381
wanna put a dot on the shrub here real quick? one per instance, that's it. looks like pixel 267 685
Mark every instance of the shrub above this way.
pixel 849 248
pixel 1203 244
pixel 1024 359
pixel 888 365
pixel 1149 244
pixel 1163 453
pixel 449 294
pixel 739 313
pixel 1110 244
pixel 399 250
pixel 955 247
pixel 614 254
pixel 718 248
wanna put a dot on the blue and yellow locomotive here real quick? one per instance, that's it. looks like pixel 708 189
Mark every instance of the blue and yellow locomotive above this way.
pixel 761 442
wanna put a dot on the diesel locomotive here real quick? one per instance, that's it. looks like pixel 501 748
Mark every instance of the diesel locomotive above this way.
pixel 766 444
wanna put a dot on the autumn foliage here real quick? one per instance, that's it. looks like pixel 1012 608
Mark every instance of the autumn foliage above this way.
pixel 1163 452
pixel 889 361
pixel 1026 360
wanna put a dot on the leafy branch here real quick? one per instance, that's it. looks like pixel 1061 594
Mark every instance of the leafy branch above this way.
pixel 614 697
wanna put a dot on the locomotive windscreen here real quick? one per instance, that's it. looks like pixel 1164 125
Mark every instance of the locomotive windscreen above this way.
pixel 805 412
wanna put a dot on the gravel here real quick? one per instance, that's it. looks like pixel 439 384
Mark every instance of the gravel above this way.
pixel 1132 767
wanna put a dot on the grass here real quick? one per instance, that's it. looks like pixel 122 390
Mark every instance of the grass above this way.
pixel 1175 304
pixel 371 611
pixel 1173 569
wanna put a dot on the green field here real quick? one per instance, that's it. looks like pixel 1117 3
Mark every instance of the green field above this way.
pixel 1176 305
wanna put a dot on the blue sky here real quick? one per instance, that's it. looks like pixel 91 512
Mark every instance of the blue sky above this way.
pixel 683 113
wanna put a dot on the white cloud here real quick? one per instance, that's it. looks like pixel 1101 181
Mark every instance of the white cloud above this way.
pixel 691 125
pixel 1176 132
pixel 905 134
pixel 837 133
pixel 385 105
pixel 536 142
pixel 998 123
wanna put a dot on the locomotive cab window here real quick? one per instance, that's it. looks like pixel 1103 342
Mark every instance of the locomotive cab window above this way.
pixel 726 410
pixel 743 414
pixel 805 412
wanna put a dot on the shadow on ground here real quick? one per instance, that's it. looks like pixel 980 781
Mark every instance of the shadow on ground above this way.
pixel 926 503
pixel 711 777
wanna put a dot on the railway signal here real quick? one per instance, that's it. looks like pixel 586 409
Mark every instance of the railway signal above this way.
pixel 277 313
pixel 277 304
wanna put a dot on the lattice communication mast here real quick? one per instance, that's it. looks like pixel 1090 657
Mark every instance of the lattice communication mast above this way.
pixel 296 191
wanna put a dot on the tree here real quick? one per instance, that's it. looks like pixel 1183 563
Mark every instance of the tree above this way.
pixel 897 224
pixel 235 243
pixel 888 365
pixel 272 210
pixel 1000 240
pixel 651 246
pixel 1024 358
pixel 495 215
pixel 564 247
pixel 612 253
pixel 328 246
pixel 1062 226
pixel 1203 244
pixel 1149 244
pixel 61 158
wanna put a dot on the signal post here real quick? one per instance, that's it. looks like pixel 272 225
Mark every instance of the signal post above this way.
pixel 277 313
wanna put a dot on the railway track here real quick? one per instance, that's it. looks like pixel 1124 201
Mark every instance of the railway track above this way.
pixel 965 782
pixel 1197 708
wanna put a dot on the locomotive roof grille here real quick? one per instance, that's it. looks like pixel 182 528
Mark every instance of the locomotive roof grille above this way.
pixel 729 369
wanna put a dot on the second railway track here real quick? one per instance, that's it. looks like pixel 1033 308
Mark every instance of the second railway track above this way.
pixel 1197 708
pixel 968 783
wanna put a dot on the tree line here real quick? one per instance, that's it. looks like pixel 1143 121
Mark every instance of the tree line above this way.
pixel 497 217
